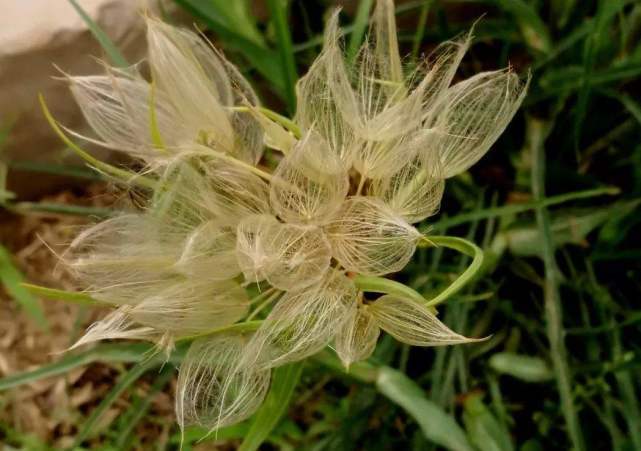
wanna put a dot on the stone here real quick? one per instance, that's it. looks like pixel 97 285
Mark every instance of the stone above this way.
pixel 35 35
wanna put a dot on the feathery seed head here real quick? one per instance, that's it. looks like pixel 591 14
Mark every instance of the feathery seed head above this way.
pixel 366 157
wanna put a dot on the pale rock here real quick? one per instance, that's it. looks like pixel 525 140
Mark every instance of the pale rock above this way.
pixel 35 35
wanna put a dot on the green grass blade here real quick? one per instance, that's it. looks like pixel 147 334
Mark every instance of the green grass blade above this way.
pixel 62 209
pixel 238 17
pixel 633 107
pixel 12 280
pixel 483 428
pixel 437 426
pixel 63 295
pixel 536 134
pixel 265 60
pixel 278 10
pixel 80 172
pixel 561 10
pixel 116 57
pixel 358 28
pixel 606 12
pixel 520 208
pixel 125 381
pixel 284 381
pixel 140 409
pixel 524 367
pixel 535 31
pixel 121 352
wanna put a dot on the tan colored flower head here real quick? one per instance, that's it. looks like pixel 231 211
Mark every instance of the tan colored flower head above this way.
pixel 365 157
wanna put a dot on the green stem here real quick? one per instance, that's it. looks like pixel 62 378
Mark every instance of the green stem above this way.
pixel 245 326
pixel 68 296
pixel 520 208
pixel 536 134
pixel 278 118
pixel 271 298
pixel 387 286
pixel 461 245
pixel 122 174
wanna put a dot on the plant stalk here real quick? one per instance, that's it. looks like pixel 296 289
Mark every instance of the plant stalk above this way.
pixel 536 134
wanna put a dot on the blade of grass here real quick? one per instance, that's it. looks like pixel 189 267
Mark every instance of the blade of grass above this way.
pixel 284 381
pixel 107 44
pixel 140 409
pixel 483 428
pixel 358 29
pixel 12 280
pixel 436 425
pixel 536 133
pixel 263 59
pixel 120 352
pixel 625 379
pixel 67 296
pixel 125 381
pixel 606 11
pixel 61 209
pixel 534 30
pixel 278 10
pixel 420 28
pixel 239 18
pixel 520 208
pixel 80 172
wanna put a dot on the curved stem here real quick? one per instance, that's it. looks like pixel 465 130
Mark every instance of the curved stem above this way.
pixel 264 304
pixel 245 326
pixel 122 174
pixel 382 285
pixel 234 161
pixel 465 247
pixel 274 116
pixel 67 296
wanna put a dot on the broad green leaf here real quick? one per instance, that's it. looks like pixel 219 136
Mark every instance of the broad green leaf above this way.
pixel 284 381
pixel 524 367
pixel 483 429
pixel 107 44
pixel 436 425
pixel 12 280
